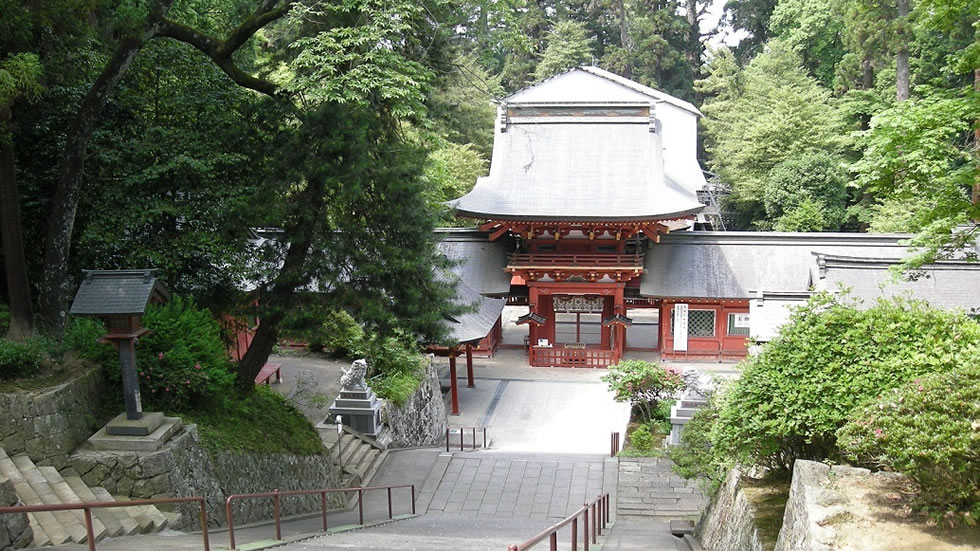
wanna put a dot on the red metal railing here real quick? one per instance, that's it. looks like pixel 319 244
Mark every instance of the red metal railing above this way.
pixel 87 507
pixel 613 444
pixel 276 494
pixel 597 511
pixel 573 357
pixel 461 431
pixel 577 260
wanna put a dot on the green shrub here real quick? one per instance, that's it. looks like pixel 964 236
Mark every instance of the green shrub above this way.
pixel 182 361
pixel 4 319
pixel 396 387
pixel 341 335
pixel 928 429
pixel 83 336
pixel 831 357
pixel 643 384
pixel 696 456
pixel 641 439
pixel 24 359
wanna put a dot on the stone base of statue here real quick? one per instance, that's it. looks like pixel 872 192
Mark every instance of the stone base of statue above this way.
pixel 146 434
pixel 359 409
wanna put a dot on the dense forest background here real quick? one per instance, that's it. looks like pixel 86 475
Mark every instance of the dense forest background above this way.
pixel 159 133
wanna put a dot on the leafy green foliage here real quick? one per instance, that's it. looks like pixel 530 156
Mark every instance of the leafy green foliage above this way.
pixel 395 367
pixel 568 46
pixel 20 76
pixel 643 384
pixel 761 116
pixel 919 152
pixel 807 193
pixel 452 170
pixel 929 429
pixel 831 357
pixel 813 30
pixel 182 362
pixel 342 335
pixel 25 358
pixel 697 456
pixel 641 439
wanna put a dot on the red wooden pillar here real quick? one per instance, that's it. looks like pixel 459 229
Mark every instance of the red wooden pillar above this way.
pixel 453 387
pixel 619 307
pixel 469 367
pixel 532 330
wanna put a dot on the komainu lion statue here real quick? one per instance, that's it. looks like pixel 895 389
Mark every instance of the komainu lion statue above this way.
pixel 354 377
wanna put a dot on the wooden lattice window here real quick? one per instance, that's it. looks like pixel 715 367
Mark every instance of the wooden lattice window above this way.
pixel 700 323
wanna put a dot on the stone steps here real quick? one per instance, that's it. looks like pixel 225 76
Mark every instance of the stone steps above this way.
pixel 44 485
pixel 648 489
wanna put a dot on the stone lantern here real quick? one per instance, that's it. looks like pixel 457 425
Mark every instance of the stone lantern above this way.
pixel 119 298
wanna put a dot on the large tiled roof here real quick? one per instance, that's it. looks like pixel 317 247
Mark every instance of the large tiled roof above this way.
pixel 581 171
pixel 560 88
pixel 477 261
pixel 475 324
pixel 117 292
pixel 737 264
pixel 944 284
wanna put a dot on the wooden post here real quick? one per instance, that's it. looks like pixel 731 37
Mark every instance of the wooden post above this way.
pixel 453 387
pixel 469 367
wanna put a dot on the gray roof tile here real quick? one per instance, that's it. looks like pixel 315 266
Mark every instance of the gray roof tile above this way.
pixel 117 292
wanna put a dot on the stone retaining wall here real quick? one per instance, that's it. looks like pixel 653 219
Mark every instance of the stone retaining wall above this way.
pixel 49 424
pixel 421 421
pixel 727 524
pixel 15 531
pixel 184 468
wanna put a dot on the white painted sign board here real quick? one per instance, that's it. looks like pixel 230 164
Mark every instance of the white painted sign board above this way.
pixel 741 320
pixel 680 327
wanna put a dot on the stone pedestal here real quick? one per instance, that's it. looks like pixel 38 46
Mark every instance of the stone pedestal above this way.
pixel 146 434
pixel 359 409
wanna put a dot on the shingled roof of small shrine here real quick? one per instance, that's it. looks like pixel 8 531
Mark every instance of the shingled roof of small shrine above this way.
pixel 117 292
pixel 478 261
pixel 473 325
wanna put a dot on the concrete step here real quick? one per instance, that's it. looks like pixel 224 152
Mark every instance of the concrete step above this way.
pixel 122 514
pixel 368 462
pixel 41 538
pixel 112 526
pixel 66 494
pixel 33 489
pixel 149 517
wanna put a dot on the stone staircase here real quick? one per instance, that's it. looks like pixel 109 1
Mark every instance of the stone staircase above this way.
pixel 359 455
pixel 43 485
pixel 647 489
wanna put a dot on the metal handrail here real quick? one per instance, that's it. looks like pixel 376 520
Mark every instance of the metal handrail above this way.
pixel 597 510
pixel 461 429
pixel 87 507
pixel 276 494
pixel 613 444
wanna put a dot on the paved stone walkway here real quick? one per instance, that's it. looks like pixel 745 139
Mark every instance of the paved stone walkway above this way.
pixel 504 486
pixel 647 489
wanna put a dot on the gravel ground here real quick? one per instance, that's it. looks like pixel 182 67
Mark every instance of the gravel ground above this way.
pixel 311 381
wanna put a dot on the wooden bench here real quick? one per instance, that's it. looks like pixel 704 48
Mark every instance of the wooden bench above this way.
pixel 267 372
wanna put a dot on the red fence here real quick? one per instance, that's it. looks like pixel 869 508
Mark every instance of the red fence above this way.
pixel 87 507
pixel 597 511
pixel 573 357
pixel 275 495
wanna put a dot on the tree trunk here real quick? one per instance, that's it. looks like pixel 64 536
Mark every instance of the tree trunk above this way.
pixel 56 283
pixel 290 277
pixel 902 86
pixel 694 37
pixel 867 73
pixel 15 264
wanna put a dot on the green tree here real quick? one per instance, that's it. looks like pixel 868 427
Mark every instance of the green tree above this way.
pixel 760 116
pixel 807 193
pixel 643 384
pixel 568 46
pixel 919 152
pixel 814 31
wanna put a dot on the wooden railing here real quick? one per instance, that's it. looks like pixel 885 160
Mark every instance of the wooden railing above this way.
pixel 573 357
pixel 576 260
